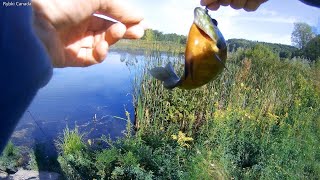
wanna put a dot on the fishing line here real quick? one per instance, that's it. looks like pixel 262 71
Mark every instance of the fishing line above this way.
pixel 105 17
pixel 50 142
pixel 34 119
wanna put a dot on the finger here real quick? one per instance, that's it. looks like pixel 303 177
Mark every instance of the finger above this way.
pixel 85 57
pixel 98 24
pixel 100 47
pixel 252 5
pixel 134 31
pixel 207 2
pixel 115 32
pixel 100 51
pixel 87 40
pixel 119 11
pixel 224 2
pixel 90 56
pixel 238 4
pixel 92 49
pixel 214 6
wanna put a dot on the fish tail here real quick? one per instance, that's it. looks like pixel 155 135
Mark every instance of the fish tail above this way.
pixel 167 75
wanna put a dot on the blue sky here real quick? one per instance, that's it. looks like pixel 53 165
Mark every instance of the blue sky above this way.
pixel 272 22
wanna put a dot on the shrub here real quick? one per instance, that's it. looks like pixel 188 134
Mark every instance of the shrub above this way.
pixel 10 158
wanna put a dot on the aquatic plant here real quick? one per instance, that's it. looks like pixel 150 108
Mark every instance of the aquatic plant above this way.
pixel 75 158
pixel 71 141
pixel 259 119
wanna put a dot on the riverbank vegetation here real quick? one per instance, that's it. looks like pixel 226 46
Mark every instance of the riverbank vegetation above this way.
pixel 259 119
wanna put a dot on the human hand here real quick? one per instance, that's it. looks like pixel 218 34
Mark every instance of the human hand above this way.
pixel 73 37
pixel 248 5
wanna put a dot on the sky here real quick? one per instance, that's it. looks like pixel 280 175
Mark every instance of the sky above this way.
pixel 272 22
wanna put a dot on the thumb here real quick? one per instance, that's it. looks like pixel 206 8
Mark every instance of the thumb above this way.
pixel 120 11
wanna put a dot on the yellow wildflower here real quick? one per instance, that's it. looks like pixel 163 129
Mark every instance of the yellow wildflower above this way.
pixel 182 139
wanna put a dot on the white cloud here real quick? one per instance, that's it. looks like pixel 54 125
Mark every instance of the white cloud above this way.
pixel 270 37
pixel 274 19
pixel 268 23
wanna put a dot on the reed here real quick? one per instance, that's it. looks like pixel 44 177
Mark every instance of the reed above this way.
pixel 258 119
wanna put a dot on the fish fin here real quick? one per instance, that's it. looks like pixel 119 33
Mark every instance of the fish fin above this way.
pixel 221 61
pixel 167 75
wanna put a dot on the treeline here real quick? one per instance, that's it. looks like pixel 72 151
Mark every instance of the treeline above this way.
pixel 312 49
pixel 284 51
pixel 155 35
pixel 307 43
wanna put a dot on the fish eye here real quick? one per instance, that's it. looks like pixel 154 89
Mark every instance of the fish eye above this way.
pixel 215 22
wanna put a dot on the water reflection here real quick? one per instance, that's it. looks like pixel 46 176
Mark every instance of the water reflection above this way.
pixel 95 99
pixel 89 98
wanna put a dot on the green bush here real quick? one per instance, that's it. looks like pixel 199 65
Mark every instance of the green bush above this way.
pixel 256 120
pixel 126 158
pixel 10 158
pixel 75 159
pixel 260 119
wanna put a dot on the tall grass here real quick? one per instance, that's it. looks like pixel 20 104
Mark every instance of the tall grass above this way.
pixel 127 158
pixel 260 119
pixel 75 158
pixel 149 46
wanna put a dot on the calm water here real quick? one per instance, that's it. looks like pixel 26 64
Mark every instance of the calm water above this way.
pixel 91 98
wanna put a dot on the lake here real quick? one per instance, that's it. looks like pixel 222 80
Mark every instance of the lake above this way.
pixel 94 99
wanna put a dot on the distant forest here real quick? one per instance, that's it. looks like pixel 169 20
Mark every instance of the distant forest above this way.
pixel 310 51
pixel 284 51
pixel 155 35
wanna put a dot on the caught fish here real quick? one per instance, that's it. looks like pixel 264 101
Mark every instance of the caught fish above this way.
pixel 205 55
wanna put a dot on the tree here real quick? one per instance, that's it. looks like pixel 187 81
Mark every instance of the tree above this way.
pixel 301 35
pixel 284 51
pixel 149 35
pixel 155 35
pixel 312 49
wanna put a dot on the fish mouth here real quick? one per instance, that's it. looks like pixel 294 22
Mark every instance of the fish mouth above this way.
pixel 200 12
pixel 203 21
pixel 201 16
pixel 208 25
